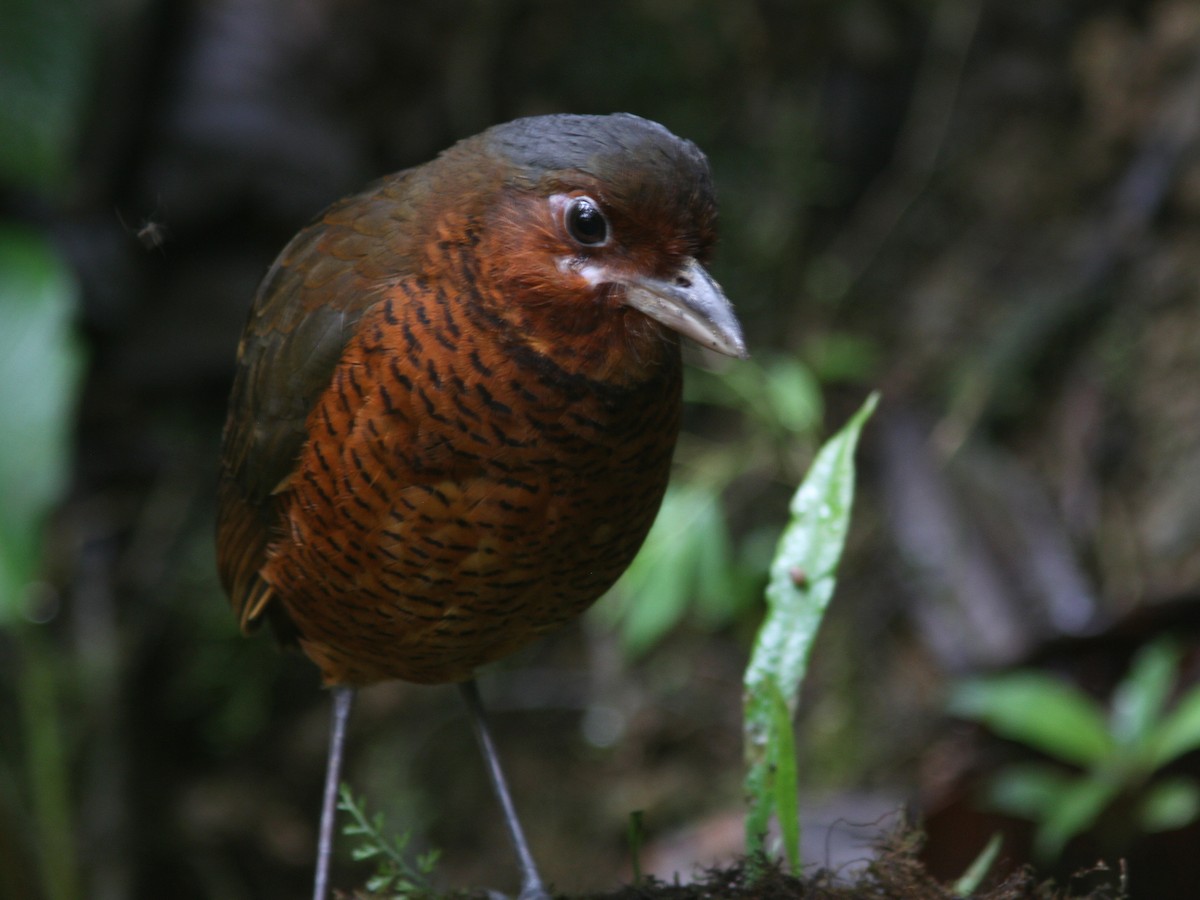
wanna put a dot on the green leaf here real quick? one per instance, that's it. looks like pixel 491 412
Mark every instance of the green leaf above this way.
pixel 1040 712
pixel 1139 699
pixel 1078 808
pixel 687 557
pixel 971 879
pixel 1169 804
pixel 781 392
pixel 802 580
pixel 842 357
pixel 1028 790
pixel 392 869
pixel 428 861
pixel 40 362
pixel 377 883
pixel 793 395
pixel 1179 732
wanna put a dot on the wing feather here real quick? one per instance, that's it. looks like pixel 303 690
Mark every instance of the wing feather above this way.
pixel 305 312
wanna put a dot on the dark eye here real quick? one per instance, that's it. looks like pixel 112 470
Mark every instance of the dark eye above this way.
pixel 586 223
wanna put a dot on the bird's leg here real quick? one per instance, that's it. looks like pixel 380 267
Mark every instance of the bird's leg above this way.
pixel 531 882
pixel 343 699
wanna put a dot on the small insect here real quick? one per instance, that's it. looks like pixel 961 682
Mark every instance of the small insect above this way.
pixel 152 234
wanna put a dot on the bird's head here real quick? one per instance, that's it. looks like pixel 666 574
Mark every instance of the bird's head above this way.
pixel 597 235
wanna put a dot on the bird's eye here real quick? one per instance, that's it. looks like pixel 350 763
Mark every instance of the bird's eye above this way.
pixel 586 223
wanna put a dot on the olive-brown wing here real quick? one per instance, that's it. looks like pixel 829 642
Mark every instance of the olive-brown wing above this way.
pixel 304 314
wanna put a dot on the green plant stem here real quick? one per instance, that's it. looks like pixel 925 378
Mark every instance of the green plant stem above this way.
pixel 636 833
pixel 45 761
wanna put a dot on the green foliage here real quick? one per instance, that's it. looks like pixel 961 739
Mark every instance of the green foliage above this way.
pixel 635 833
pixel 784 781
pixel 690 565
pixel 47 768
pixel 687 563
pixel 1038 710
pixel 971 879
pixel 44 79
pixel 780 393
pixel 45 56
pixel 1116 751
pixel 395 877
pixel 803 577
pixel 40 362
pixel 843 357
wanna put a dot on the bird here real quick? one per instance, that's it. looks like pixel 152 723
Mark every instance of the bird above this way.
pixel 455 403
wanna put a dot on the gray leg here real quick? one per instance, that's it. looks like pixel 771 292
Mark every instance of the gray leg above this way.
pixel 343 699
pixel 531 882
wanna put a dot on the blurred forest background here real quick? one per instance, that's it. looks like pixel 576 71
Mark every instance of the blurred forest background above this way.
pixel 990 211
